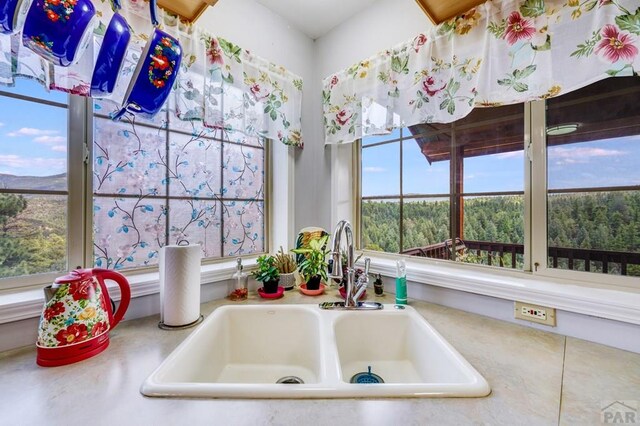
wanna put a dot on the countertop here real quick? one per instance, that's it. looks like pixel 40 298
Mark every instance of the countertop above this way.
pixel 537 378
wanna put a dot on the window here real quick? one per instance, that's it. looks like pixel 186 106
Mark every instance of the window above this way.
pixel 448 191
pixel 461 192
pixel 166 181
pixel 593 196
pixel 34 189
pixel 151 183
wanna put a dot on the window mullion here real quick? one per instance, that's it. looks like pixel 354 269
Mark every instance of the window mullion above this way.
pixel 77 235
pixel 538 187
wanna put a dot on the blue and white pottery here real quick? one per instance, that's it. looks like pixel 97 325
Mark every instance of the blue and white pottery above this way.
pixel 59 30
pixel 12 13
pixel 111 55
pixel 154 75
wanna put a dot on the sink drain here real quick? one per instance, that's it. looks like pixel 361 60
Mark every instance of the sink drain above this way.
pixel 290 380
pixel 366 377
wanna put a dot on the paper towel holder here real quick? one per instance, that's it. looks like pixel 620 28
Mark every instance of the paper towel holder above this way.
pixel 161 324
pixel 164 326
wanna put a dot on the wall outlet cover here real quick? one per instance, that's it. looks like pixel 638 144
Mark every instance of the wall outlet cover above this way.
pixel 535 313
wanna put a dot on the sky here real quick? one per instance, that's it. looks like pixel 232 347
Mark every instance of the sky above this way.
pixel 608 162
pixel 33 137
pixel 33 143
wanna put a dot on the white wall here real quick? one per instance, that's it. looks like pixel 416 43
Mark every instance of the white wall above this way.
pixel 254 27
pixel 384 24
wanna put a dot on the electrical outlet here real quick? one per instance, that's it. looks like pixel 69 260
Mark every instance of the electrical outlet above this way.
pixel 535 313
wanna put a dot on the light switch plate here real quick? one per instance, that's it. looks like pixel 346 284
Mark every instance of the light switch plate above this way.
pixel 535 313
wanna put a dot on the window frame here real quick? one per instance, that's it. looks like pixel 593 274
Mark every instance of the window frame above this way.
pixel 535 214
pixel 80 149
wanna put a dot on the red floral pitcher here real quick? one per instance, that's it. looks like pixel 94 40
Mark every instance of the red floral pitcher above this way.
pixel 77 316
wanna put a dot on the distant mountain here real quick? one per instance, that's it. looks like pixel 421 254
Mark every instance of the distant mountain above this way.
pixel 42 183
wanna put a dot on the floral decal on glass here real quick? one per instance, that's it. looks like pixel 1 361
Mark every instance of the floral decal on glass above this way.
pixel 173 183
pixel 242 232
pixel 501 52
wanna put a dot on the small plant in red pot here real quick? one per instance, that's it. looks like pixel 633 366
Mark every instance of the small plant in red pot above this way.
pixel 314 266
pixel 267 273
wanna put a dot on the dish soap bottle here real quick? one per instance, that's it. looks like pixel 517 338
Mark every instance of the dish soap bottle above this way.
pixel 401 282
pixel 240 281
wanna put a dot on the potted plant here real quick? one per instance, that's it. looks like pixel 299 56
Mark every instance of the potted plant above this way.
pixel 286 265
pixel 267 273
pixel 314 266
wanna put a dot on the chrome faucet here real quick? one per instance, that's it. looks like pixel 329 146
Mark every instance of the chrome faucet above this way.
pixel 354 290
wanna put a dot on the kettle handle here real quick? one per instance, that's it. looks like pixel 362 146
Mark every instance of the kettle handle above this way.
pixel 125 291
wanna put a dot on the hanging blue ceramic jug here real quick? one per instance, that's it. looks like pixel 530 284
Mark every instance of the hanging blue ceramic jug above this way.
pixel 59 30
pixel 111 55
pixel 155 73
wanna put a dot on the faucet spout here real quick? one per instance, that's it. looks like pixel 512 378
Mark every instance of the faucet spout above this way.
pixel 343 228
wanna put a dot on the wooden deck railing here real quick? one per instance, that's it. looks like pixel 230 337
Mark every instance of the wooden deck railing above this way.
pixel 494 253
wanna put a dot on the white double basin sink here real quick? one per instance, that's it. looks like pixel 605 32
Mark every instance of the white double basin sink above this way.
pixel 243 351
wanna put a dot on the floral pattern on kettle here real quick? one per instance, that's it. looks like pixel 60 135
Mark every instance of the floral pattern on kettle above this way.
pixel 70 320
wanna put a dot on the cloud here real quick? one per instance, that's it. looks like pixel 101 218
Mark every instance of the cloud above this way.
pixel 59 148
pixel 512 154
pixel 29 131
pixel 1 124
pixel 374 169
pixel 581 155
pixel 50 139
pixel 18 162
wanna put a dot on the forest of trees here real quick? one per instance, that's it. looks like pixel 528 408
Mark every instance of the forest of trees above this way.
pixel 32 234
pixel 33 228
pixel 596 221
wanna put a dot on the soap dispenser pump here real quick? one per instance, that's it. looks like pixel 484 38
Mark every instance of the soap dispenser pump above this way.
pixel 401 282
pixel 240 282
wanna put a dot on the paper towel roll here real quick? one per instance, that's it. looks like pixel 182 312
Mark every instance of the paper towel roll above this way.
pixel 180 284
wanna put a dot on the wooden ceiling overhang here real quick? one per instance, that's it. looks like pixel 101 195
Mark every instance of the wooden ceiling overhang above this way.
pixel 187 10
pixel 440 11
pixel 500 130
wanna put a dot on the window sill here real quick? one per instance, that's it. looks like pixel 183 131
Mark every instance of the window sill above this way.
pixel 24 304
pixel 619 304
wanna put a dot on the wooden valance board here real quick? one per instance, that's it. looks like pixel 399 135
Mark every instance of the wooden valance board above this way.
pixel 439 11
pixel 188 10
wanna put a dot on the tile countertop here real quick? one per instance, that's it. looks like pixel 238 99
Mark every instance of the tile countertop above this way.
pixel 537 378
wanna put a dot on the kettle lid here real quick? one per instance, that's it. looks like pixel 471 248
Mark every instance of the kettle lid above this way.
pixel 76 275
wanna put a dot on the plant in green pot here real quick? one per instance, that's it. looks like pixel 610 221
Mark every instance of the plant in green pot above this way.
pixel 314 266
pixel 267 273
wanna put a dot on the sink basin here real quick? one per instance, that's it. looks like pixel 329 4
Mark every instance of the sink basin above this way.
pixel 243 351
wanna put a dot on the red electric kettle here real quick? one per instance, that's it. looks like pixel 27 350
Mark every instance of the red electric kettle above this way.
pixel 77 316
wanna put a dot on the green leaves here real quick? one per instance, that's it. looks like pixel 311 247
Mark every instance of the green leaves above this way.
pixel 497 29
pixel 586 49
pixel 314 262
pixel 400 64
pixel 513 80
pixel 543 47
pixel 267 270
pixel 532 8
pixel 630 22
pixel 231 50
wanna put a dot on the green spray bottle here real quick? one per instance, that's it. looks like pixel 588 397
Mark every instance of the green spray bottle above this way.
pixel 401 282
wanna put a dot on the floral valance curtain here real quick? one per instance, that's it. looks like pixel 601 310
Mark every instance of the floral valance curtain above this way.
pixel 501 52
pixel 219 84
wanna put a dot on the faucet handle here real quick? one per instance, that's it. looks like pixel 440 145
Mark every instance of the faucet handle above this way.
pixel 336 265
pixel 367 264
